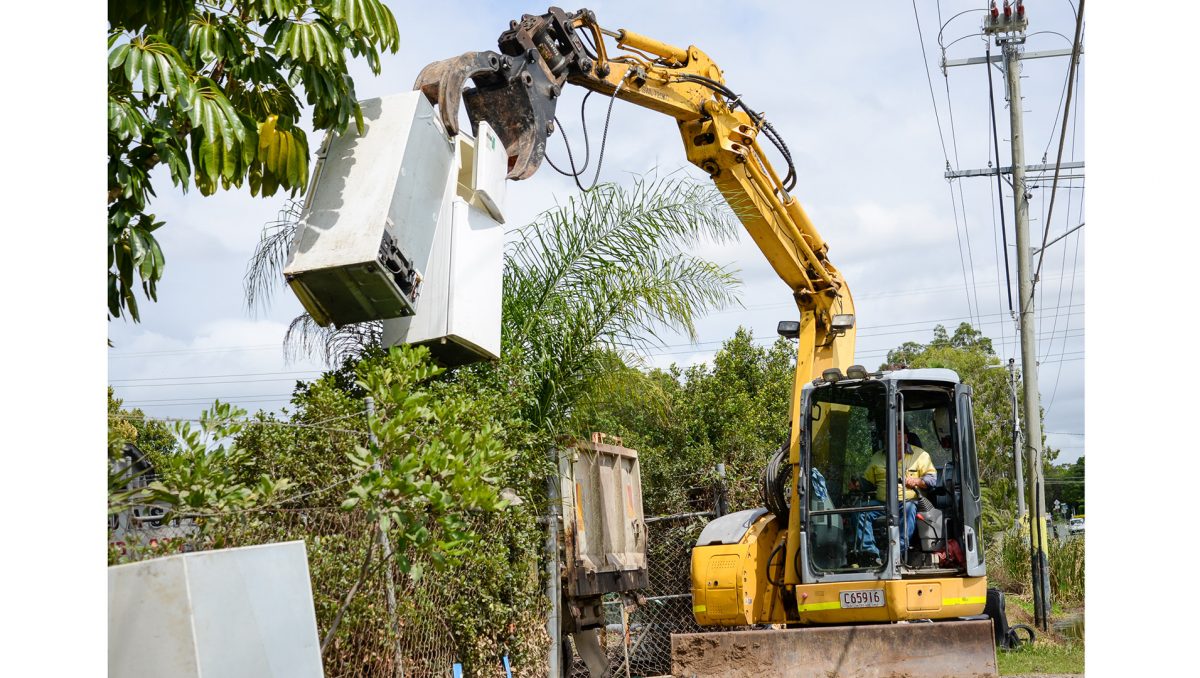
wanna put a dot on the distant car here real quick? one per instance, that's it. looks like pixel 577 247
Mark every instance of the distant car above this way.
pixel 1075 526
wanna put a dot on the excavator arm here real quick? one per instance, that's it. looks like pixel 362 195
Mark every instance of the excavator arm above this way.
pixel 516 89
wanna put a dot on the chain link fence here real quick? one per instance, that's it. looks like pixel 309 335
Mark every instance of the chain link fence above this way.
pixel 638 643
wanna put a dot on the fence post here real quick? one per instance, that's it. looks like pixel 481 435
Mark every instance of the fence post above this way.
pixel 386 544
pixel 722 501
pixel 553 626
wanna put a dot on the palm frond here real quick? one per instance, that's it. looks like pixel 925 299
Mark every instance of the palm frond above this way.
pixel 304 337
pixel 609 270
pixel 264 271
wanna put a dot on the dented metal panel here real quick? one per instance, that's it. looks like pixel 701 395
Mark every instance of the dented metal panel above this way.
pixel 604 529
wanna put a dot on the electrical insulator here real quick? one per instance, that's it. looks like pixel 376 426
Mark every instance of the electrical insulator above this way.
pixel 1020 9
pixel 995 12
pixel 1007 10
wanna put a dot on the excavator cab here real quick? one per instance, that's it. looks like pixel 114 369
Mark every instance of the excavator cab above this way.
pixel 859 434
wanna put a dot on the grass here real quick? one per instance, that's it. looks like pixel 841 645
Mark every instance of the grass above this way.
pixel 1042 657
pixel 1026 604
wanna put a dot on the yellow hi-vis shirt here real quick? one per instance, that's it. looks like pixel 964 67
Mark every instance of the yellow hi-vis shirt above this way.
pixel 916 464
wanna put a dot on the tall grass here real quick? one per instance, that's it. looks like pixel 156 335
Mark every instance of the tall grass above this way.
pixel 1008 562
pixel 1008 566
pixel 1066 570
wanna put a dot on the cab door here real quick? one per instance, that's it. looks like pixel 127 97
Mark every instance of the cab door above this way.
pixel 969 493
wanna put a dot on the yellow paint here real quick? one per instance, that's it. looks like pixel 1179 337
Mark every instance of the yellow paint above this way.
pixel 969 600
pixel 812 607
pixel 579 507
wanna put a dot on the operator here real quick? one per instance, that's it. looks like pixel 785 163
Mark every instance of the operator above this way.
pixel 918 473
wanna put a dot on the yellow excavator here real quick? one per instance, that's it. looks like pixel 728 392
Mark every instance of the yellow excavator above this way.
pixel 840 574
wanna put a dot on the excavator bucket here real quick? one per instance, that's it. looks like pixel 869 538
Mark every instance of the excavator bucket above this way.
pixel 951 649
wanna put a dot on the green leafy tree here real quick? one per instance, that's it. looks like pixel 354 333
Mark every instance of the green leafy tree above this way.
pixel 685 421
pixel 215 92
pixel 424 471
pixel 1065 483
pixel 152 436
pixel 209 474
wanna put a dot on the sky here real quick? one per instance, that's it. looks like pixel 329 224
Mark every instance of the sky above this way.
pixel 871 122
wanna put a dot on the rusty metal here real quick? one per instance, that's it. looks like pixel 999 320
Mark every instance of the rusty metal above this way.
pixel 953 649
pixel 604 530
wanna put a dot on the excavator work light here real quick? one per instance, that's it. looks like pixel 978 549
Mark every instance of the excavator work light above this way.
pixel 842 322
pixel 788 329
pixel 832 375
pixel 856 372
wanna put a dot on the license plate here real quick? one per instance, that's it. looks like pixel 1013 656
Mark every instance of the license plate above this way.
pixel 867 598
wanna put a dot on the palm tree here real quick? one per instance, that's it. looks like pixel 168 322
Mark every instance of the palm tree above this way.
pixel 604 272
pixel 607 271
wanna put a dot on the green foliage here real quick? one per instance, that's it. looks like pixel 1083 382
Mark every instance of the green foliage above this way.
pixel 212 90
pixel 310 446
pixel 446 426
pixel 1067 570
pixel 423 471
pixel 153 437
pixel 208 475
pixel 1008 562
pixel 1069 488
pixel 685 422
pixel 605 272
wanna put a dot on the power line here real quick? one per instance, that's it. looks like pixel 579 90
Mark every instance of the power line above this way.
pixel 945 155
pixel 999 183
pixel 206 383
pixel 245 398
pixel 997 237
pixel 957 165
pixel 250 422
pixel 217 376
pixel 218 349
pixel 1063 136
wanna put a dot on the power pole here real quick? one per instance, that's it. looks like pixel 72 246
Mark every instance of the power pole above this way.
pixel 1009 31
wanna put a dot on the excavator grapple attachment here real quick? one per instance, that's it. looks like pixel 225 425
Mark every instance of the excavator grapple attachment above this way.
pixel 515 97
pixel 958 649
pixel 516 89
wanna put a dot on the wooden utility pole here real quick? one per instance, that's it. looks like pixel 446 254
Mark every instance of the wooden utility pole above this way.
pixel 1008 29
